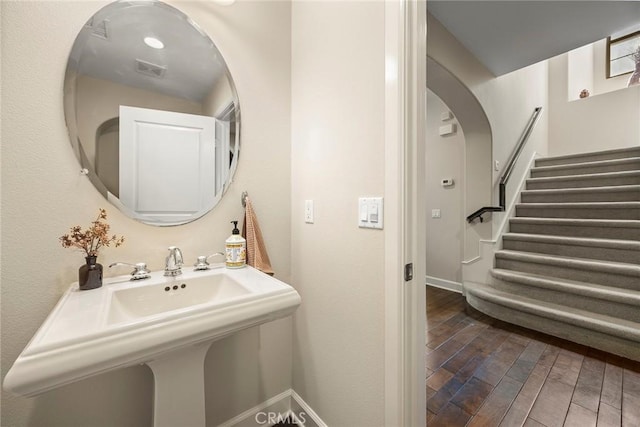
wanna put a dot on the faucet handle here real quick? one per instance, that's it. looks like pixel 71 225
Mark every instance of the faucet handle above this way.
pixel 203 261
pixel 140 270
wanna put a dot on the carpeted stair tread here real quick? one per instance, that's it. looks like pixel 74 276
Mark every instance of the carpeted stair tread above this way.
pixel 594 248
pixel 587 210
pixel 586 190
pixel 585 180
pixel 614 326
pixel 589 205
pixel 575 287
pixel 617 223
pixel 594 228
pixel 576 241
pixel 613 267
pixel 599 166
pixel 617 153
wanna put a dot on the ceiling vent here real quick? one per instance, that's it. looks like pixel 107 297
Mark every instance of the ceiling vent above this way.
pixel 149 69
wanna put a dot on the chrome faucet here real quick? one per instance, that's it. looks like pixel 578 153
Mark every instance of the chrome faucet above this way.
pixel 173 262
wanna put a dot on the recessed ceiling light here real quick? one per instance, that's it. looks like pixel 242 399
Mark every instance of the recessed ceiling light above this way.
pixel 153 42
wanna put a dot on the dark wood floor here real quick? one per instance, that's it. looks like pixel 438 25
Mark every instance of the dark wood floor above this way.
pixel 484 372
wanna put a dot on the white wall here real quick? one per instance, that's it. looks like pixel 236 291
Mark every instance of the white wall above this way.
pixel 508 101
pixel 445 159
pixel 599 122
pixel 587 69
pixel 338 155
pixel 43 194
pixel 580 71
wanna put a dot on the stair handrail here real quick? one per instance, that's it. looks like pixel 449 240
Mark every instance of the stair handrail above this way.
pixel 509 169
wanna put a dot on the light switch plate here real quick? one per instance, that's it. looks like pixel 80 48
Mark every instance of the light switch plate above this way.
pixel 435 213
pixel 370 212
pixel 308 211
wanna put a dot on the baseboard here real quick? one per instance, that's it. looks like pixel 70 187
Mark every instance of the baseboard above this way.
pixel 287 404
pixel 299 407
pixel 443 284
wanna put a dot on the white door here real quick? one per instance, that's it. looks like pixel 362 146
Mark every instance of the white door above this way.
pixel 222 154
pixel 167 164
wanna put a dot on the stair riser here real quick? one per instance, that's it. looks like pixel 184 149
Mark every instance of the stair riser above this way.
pixel 609 343
pixel 627 166
pixel 583 182
pixel 595 196
pixel 568 250
pixel 595 157
pixel 577 213
pixel 569 299
pixel 577 231
pixel 601 277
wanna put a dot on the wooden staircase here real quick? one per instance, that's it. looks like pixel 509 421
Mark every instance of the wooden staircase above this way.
pixel 570 264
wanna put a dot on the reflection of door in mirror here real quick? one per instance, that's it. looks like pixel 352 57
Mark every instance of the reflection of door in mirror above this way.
pixel 222 154
pixel 168 165
pixel 107 155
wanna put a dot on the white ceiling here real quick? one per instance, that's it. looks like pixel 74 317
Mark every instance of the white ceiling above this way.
pixel 191 62
pixel 509 35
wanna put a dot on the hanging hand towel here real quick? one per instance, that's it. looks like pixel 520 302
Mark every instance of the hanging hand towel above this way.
pixel 257 256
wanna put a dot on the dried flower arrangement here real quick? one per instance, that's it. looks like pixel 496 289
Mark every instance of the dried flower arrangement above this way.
pixel 93 238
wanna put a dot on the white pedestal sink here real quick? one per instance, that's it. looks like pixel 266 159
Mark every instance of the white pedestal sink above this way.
pixel 167 323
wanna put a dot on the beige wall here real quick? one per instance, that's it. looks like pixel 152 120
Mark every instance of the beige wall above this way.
pixel 219 97
pixel 43 194
pixel 599 122
pixel 337 148
pixel 445 159
pixel 508 101
pixel 587 69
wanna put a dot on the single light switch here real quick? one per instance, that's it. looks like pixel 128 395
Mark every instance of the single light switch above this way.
pixel 308 211
pixel 373 212
pixel 363 209
pixel 435 213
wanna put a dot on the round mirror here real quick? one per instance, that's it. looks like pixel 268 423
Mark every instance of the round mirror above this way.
pixel 152 112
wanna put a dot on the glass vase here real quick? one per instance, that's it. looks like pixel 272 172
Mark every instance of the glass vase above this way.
pixel 90 274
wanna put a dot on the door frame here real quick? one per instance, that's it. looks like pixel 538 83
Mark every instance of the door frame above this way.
pixel 405 236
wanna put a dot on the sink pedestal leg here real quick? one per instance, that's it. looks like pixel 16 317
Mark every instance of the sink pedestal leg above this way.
pixel 179 388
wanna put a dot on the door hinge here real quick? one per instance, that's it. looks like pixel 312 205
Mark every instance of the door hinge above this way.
pixel 408 272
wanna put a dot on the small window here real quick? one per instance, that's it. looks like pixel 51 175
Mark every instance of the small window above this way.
pixel 620 54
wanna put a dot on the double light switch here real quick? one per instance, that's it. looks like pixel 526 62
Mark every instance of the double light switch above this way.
pixel 370 212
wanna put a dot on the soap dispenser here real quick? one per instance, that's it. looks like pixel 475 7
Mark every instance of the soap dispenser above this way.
pixel 236 249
